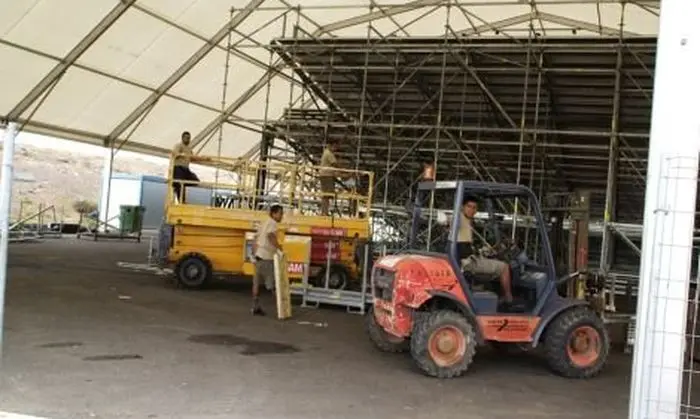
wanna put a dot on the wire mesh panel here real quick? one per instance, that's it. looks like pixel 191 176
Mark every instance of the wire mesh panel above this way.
pixel 690 403
pixel 665 353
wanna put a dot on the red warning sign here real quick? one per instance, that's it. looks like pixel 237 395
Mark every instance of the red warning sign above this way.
pixel 295 268
pixel 331 232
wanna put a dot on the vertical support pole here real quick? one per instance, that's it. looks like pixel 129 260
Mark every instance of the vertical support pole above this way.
pixel 261 173
pixel 354 207
pixel 533 154
pixel 267 143
pixel 329 254
pixel 295 157
pixel 305 278
pixel 578 241
pixel 329 88
pixel 40 220
pixel 523 118
pixel 669 213
pixel 607 248
pixel 365 271
pixel 224 91
pixel 106 190
pixel 292 73
pixel 391 136
pixel 540 194
pixel 438 125
pixel 8 153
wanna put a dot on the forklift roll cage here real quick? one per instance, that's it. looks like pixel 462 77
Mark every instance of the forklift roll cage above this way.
pixel 482 190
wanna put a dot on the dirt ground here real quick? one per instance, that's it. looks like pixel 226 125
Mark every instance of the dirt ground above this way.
pixel 87 339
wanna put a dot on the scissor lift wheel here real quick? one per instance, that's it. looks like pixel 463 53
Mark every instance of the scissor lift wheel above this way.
pixel 193 271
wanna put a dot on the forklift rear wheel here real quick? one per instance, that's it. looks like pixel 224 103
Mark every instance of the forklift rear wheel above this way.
pixel 193 272
pixel 443 343
pixel 577 344
pixel 381 339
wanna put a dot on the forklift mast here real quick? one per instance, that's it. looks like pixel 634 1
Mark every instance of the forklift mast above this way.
pixel 571 254
pixel 580 206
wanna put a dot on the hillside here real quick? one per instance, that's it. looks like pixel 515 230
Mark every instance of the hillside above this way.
pixel 56 177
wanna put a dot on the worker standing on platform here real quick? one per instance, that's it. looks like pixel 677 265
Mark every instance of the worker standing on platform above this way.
pixel 327 176
pixel 265 246
pixel 428 173
pixel 183 155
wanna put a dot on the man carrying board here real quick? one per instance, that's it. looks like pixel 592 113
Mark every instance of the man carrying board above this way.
pixel 265 246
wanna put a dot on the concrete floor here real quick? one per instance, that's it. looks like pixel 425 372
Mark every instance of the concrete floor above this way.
pixel 86 339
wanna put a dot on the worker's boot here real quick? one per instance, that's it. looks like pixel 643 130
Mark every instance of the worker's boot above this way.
pixel 257 310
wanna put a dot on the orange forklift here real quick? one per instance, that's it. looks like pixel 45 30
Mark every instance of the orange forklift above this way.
pixel 425 304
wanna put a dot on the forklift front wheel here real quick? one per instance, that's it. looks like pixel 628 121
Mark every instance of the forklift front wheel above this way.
pixel 577 344
pixel 381 339
pixel 193 271
pixel 443 343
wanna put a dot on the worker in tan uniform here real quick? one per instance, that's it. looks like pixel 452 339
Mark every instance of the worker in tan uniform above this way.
pixel 183 155
pixel 471 260
pixel 265 246
pixel 327 176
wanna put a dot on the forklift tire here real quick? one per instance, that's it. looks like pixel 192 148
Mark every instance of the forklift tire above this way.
pixel 193 272
pixel 443 343
pixel 381 339
pixel 576 343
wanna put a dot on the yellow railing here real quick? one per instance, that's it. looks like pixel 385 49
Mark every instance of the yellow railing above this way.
pixel 254 185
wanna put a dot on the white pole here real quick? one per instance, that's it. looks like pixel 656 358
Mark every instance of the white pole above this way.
pixel 105 192
pixel 5 201
pixel 657 370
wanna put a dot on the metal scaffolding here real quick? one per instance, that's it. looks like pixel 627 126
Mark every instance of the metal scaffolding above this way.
pixel 558 109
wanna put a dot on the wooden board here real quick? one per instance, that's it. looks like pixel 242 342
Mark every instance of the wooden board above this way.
pixel 282 289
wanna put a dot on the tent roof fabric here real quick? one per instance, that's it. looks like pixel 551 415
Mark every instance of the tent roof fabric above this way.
pixel 139 72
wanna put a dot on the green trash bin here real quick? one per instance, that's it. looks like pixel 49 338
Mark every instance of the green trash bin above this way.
pixel 131 218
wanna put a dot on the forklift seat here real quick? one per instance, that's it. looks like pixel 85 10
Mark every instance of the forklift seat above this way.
pixel 469 278
pixel 533 280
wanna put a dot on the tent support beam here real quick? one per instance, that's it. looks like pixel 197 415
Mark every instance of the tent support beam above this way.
pixel 183 70
pixel 69 59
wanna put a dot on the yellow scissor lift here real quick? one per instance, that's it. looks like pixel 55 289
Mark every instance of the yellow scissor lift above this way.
pixel 215 237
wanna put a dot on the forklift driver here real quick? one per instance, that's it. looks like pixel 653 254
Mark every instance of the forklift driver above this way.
pixel 471 260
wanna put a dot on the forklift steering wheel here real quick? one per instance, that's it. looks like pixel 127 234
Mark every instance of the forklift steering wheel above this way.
pixel 506 250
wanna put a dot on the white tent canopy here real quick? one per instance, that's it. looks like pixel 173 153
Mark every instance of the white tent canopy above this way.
pixel 145 70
